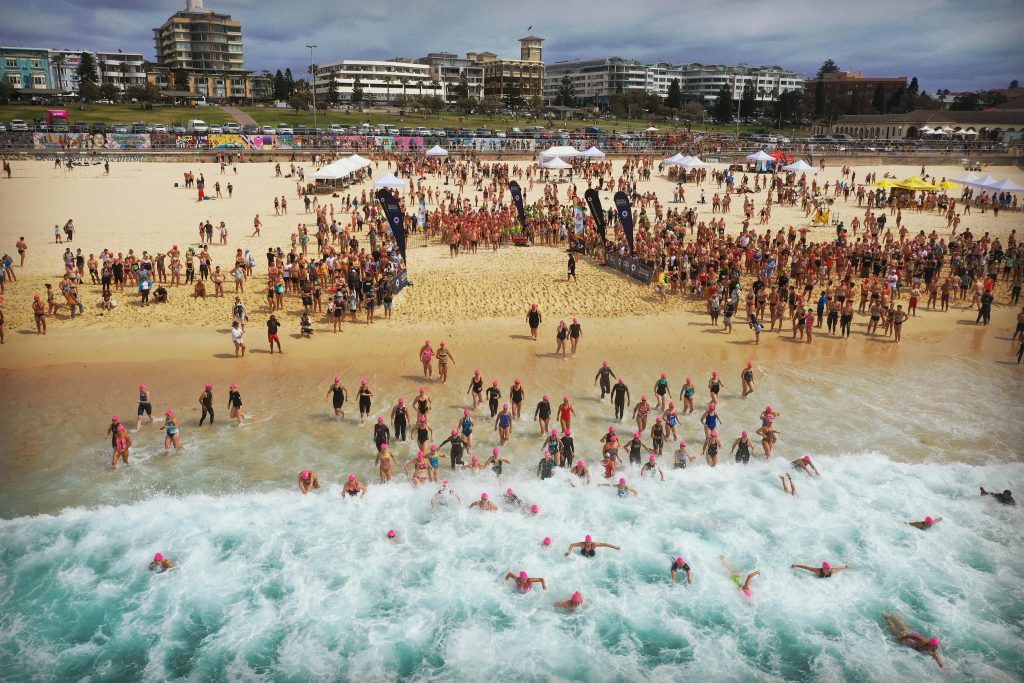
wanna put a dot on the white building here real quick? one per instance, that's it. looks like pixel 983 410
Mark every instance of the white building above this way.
pixel 63 69
pixel 706 80
pixel 595 80
pixel 122 69
pixel 381 82
pixel 449 70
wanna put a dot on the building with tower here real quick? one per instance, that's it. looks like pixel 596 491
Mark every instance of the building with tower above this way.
pixel 516 82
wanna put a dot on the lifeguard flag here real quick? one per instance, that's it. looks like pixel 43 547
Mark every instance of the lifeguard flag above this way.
pixel 393 211
pixel 517 199
pixel 594 202
pixel 625 212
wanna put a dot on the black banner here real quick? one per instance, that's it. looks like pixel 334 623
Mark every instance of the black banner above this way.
pixel 630 266
pixel 625 216
pixel 517 199
pixel 594 202
pixel 393 210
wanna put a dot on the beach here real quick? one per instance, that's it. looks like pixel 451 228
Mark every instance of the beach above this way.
pixel 278 584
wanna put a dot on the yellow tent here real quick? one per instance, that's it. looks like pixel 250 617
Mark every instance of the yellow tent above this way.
pixel 917 185
pixel 885 183
pixel 947 185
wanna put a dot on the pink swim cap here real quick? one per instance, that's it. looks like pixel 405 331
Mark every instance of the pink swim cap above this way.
pixel 576 597
pixel 401 400
pixel 121 428
pixel 749 364
pixel 767 408
pixel 509 491
pixel 426 342
pixel 337 378
pixel 234 386
pixel 657 419
pixel 671 404
pixel 644 397
pixel 419 454
pixel 475 459
pixel 444 483
pixel 711 406
pixel 579 463
pixel 351 477
pixel 422 390
pixel 495 451
pixel 494 383
pixel 113 418
pixel 483 496
pixel 391 533
pixel 208 386
pixel 523 575
pixel 158 557
pixel 622 381
pixel 304 474
pixel 545 397
pixel 454 432
pixel 170 412
pixel 689 379
pixel 654 458
pixel 604 364
pixel 807 458
pixel 547 540
pixel 622 480
pixel 636 435
pixel 476 372
pixel 663 375
pixel 380 420
pixel 682 443
pixel 826 565
pixel 568 432
pixel 680 560
pixel 714 374
pixel 929 519
pixel 504 406
pixel 587 538
pixel 535 508
pixel 423 418
pixel 934 642
pixel 743 434
pixel 611 429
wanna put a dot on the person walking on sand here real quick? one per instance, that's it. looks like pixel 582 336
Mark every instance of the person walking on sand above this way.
pixel 238 339
pixel 534 319
pixel 235 404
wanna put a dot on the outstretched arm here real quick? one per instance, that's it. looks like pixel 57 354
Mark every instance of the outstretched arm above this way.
pixel 571 546
pixel 806 568
pixel 509 575
pixel 750 577
pixel 607 545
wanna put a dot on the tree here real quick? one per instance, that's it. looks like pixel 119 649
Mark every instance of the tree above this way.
pixel 617 103
pixel 181 79
pixel 674 98
pixel 7 92
pixel 143 93
pixel 462 90
pixel 387 89
pixel 433 103
pixel 723 104
pixel 86 70
pixel 566 95
pixel 748 101
pixel 695 111
pixel 790 105
pixel 897 103
pixel 819 99
pixel 1014 84
pixel 289 84
pixel 109 91
pixel 88 91
pixel 912 88
pixel 405 88
pixel 332 93
pixel 300 99
pixel 878 101
pixel 280 89
pixel 357 91
pixel 827 67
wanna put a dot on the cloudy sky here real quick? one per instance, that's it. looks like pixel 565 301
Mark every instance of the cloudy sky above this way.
pixel 951 44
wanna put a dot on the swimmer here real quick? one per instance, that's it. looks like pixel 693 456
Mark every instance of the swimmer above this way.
pixel 206 404
pixel 421 469
pixel 533 319
pixel 353 487
pixel 588 547
pixel 621 489
pixel 789 488
pixel 565 414
pixel 510 498
pixel 122 442
pixel 741 447
pixel 444 355
pixel 546 543
pixel 392 536
pixel 466 425
pixel 581 471
pixel 661 390
pixel 686 395
pixel 671 420
pixel 633 447
pixel 572 604
pixel 145 406
pixel 484 504
pixel 608 462
pixel 1006 498
pixel 546 466
pixel 542 415
pixel 381 434
pixel 603 376
pixel 385 460
pixel 679 565
pixel 173 437
pixel 640 412
pixel 926 523
pixel 400 419
pixel 458 447
pixel 769 435
pixel 427 357
pixel 806 465
pixel 495 462
pixel 474 464
pixel 476 387
pixel 422 403
pixel 435 462
pixel 235 404
pixel 620 398
pixel 715 385
pixel 443 495
pixel 658 434
pixel 337 393
pixel 825 571
pixel 652 466
pixel 682 457
pixel 737 577
pixel 308 481
pixel 161 564
pixel 710 419
pixel 747 378
pixel 913 639
pixel 365 397
pixel 524 582
pixel 712 445
pixel 516 395
pixel 424 432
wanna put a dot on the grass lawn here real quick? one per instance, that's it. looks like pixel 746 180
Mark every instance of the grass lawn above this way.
pixel 115 113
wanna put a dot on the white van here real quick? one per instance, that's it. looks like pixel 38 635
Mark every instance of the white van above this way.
pixel 197 126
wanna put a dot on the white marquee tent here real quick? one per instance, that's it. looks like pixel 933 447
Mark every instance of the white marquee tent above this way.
pixel 563 152
pixel 800 166
pixel 556 163
pixel 593 153
pixel 760 156
pixel 437 151
pixel 389 180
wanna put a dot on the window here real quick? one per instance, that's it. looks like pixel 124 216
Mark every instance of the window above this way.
pixel 12 63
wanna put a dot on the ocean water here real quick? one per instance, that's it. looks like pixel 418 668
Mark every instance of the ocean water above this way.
pixel 279 586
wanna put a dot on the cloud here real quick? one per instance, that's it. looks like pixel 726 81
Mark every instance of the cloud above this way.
pixel 945 43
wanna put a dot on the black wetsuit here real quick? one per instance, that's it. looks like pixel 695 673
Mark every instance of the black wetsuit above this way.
pixel 381 434
pixel 458 448
pixel 568 451
pixel 401 422
pixel 206 404
pixel 543 410
pixel 545 468
pixel 634 446
pixel 619 393
pixel 604 376
pixel 493 394
pixel 364 400
pixel 743 452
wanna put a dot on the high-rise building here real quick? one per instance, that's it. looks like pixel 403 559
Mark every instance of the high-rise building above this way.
pixel 522 78
pixel 122 69
pixel 207 45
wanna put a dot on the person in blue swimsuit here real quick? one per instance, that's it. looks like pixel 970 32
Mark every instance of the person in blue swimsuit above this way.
pixel 467 428
pixel 621 489
pixel 671 420
pixel 710 419
pixel 173 437
pixel 145 406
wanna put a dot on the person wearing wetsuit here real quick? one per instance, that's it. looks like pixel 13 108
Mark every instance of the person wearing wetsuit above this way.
pixel 620 397
pixel 741 447
pixel 458 444
pixel 604 375
pixel 381 434
pixel 145 406
pixel 235 404
pixel 633 447
pixel 1006 498
pixel 493 394
pixel 568 449
pixel 543 413
pixel 546 466
pixel 365 395
pixel 400 419
pixel 679 565
pixel 588 547
pixel 206 404
pixel 657 436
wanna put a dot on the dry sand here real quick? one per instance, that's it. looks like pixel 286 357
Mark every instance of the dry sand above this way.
pixel 137 206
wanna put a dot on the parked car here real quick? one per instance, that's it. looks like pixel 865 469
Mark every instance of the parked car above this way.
pixel 337 128
pixel 17 125
pixel 251 129
pixel 159 128
pixel 232 128
pixel 178 129
pixel 100 128
pixel 268 130
pixel 285 129
pixel 197 126
pixel 213 128
pixel 3 128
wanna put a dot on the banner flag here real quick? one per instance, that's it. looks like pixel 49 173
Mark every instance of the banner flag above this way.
pixel 625 216
pixel 393 210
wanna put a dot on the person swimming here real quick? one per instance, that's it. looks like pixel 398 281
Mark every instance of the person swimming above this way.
pixel 524 582
pixel 588 547
pixel 679 565
pixel 621 489
pixel 825 571
pixel 572 604
pixel 913 639
pixel 737 577
pixel 161 564
pixel 308 481
pixel 926 523
pixel 1006 498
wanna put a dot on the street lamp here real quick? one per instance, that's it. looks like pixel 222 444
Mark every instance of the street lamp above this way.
pixel 312 77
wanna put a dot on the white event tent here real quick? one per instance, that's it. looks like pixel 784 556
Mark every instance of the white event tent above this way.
pixel 389 180
pixel 800 166
pixel 437 151
pixel 593 153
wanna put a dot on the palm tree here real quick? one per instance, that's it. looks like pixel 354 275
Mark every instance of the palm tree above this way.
pixel 434 85
pixel 405 86
pixel 419 84
pixel 387 90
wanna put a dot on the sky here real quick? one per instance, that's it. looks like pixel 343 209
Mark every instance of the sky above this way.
pixel 950 44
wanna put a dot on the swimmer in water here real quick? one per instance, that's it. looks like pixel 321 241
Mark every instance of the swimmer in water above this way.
pixel 474 464
pixel 652 466
pixel 791 487
pixel 710 419
pixel 546 543
pixel 122 443
pixel 1006 498
pixel 443 495
pixel 682 457
pixel 542 415
pixel 476 388
pixel 353 487
pixel 769 436
pixel 308 481
pixel 588 547
pixel 686 395
pixel 621 489
pixel 806 465
pixel 173 437
pixel 671 420
pixel 737 577
pixel 421 467
pixel 466 424
pixel 495 462
pixel 661 390
pixel 392 536
pixel 385 460
pixel 926 523
pixel 484 504
pixel 747 378
pixel 503 425
pixel 572 604
pixel 679 565
pixel 825 571
pixel 161 564
pixel 741 447
pixel 604 376
pixel 913 639
pixel 712 445
pixel 581 471
pixel 715 385
pixel 524 582
pixel 337 393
